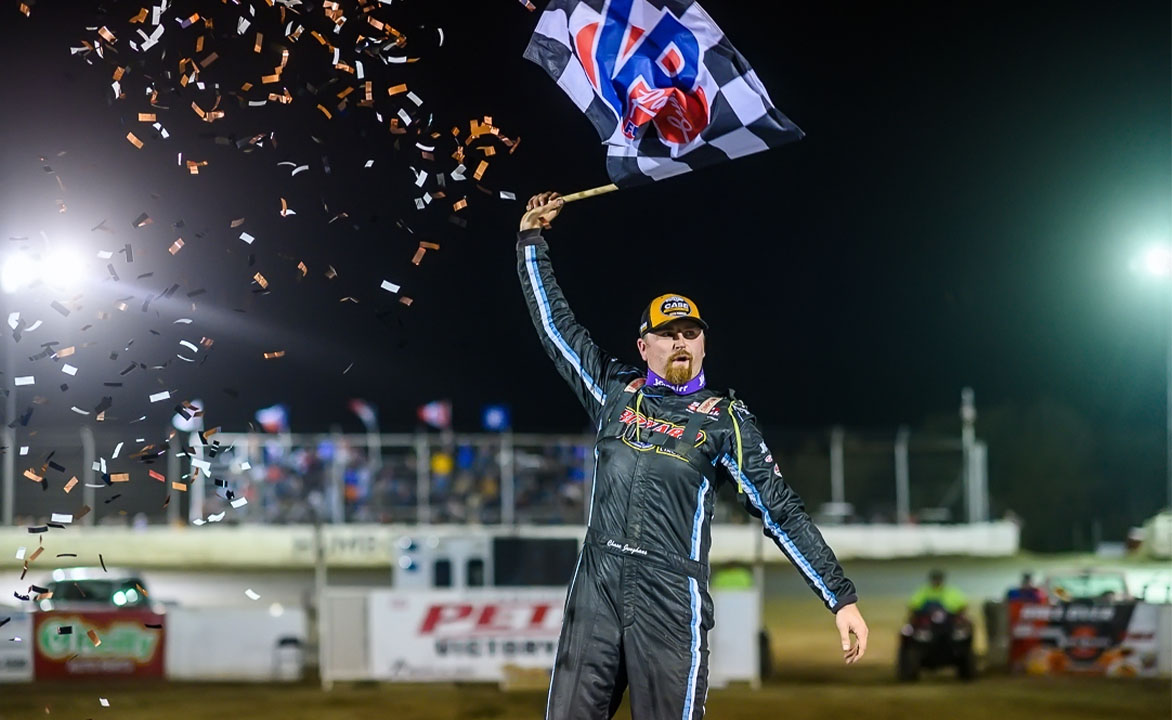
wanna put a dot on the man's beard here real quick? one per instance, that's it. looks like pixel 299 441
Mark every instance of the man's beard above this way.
pixel 678 373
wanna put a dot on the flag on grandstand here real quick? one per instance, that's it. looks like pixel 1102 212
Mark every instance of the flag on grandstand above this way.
pixel 660 82
pixel 495 418
pixel 274 419
pixel 437 414
pixel 365 412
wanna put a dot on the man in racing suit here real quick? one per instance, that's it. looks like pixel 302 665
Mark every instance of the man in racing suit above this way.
pixel 638 609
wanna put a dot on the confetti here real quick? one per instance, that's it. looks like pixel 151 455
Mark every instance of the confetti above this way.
pixel 71 484
pixel 251 595
pixel 134 140
pixel 274 354
pixel 159 396
pixel 389 286
pixel 93 635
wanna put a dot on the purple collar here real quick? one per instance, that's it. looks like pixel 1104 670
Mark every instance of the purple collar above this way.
pixel 696 384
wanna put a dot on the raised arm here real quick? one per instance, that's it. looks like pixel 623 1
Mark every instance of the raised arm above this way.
pixel 578 360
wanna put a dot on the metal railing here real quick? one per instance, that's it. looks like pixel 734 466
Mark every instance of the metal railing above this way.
pixel 498 478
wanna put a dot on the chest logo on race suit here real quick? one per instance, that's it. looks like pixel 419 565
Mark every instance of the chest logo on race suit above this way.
pixel 708 407
pixel 648 427
pixel 635 384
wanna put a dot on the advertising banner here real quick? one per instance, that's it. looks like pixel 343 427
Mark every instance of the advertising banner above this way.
pixel 16 647
pixel 448 635
pixel 106 642
pixel 1117 639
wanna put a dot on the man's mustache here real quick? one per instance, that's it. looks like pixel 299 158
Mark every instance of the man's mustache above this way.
pixel 682 354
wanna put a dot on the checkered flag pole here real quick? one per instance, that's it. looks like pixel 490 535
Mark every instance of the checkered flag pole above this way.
pixel 661 83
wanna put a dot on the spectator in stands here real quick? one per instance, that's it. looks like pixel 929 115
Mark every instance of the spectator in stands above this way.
pixel 937 594
pixel 1027 591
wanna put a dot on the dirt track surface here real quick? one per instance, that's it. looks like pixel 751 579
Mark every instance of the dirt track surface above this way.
pixel 868 696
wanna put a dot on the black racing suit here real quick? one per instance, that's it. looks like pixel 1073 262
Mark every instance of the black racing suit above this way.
pixel 638 609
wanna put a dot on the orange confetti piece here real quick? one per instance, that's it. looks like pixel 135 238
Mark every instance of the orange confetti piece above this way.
pixel 304 270
pixel 270 79
pixel 395 90
pixel 120 477
pixel 25 9
pixel 176 485
pixel 106 34
pixel 146 117
pixel 32 475
pixel 429 245
pixel 480 169
pixel 156 475
pixel 36 553
pixel 260 280
pixel 93 636
pixel 406 301
pixel 140 17
pixel 71 484
pixel 419 253
pixel 236 223
pixel 460 204
pixel 134 140
pixel 324 111
pixel 176 246
pixel 274 354
pixel 259 39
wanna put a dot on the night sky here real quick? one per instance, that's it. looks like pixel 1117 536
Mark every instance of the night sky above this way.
pixel 974 183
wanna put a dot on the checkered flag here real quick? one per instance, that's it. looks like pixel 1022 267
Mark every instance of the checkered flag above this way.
pixel 663 86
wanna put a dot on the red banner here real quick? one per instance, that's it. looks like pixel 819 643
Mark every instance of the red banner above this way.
pixel 106 642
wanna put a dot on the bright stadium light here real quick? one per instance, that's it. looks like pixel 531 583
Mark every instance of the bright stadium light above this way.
pixel 1156 261
pixel 62 270
pixel 19 271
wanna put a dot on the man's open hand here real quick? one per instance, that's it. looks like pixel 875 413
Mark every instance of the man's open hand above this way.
pixel 541 209
pixel 849 620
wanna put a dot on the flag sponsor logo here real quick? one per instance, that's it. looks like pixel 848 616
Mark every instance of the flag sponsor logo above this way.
pixel 646 75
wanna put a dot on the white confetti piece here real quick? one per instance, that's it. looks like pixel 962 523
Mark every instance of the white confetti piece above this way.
pixel 117 449
pixel 251 595
pixel 247 238
pixel 239 502
pixel 24 449
pixel 202 465
pixel 506 195
pixel 414 98
pixel 389 286
pixel 182 321
pixel 369 163
pixel 197 522
pixel 245 465
pixel 68 369
pixel 20 552
pixel 217 517
pixel 61 518
pixel 298 169
pixel 104 701
pixel 105 254
pixel 189 345
pixel 165 395
pixel 404 116
pixel 25 380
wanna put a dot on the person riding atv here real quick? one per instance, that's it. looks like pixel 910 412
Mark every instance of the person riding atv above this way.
pixel 938 632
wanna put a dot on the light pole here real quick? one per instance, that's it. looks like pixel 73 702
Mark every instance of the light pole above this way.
pixel 1156 262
